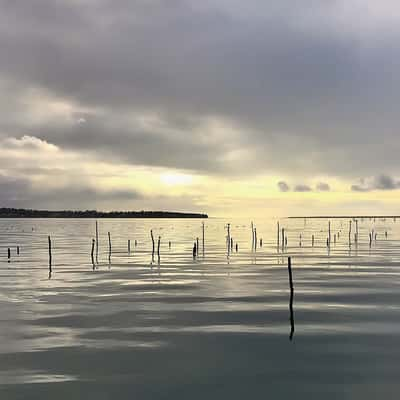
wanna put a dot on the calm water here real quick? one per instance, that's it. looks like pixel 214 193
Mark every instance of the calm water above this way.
pixel 214 327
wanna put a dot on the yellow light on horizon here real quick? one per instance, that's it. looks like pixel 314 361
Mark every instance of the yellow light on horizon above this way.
pixel 176 179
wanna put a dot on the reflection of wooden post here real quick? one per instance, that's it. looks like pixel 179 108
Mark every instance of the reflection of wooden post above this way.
pixel 92 253
pixel 291 298
pixel 50 257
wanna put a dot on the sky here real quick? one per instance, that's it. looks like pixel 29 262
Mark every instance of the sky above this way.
pixel 230 107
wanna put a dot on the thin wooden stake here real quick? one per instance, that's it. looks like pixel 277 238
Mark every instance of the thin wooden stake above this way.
pixel 97 243
pixel 291 298
pixel 50 257
pixel 92 253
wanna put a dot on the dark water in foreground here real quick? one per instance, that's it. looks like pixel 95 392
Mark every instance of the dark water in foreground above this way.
pixel 214 327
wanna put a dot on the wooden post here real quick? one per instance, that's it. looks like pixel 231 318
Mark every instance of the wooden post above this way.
pixel 356 230
pixel 329 233
pixel 158 249
pixel 203 235
pixel 261 242
pixel 291 298
pixel 197 244
pixel 97 243
pixel 92 253
pixel 194 250
pixel 50 257
pixel 18 250
pixel 277 236
pixel 237 247
pixel 350 233
pixel 109 246
pixel 283 238
pixel 152 241
pixel 228 238
pixel 312 240
pixel 129 246
pixel 255 239
pixel 252 236
pixel 8 254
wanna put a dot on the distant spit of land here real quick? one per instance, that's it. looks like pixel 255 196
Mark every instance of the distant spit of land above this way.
pixel 24 213
pixel 347 217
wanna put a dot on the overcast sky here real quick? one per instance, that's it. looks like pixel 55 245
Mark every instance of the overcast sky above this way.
pixel 282 106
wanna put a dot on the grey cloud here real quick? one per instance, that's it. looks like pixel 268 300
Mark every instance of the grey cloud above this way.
pixel 380 182
pixel 323 187
pixel 20 192
pixel 283 186
pixel 293 82
pixel 302 188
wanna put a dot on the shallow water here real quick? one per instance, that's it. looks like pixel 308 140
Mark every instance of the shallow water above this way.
pixel 212 327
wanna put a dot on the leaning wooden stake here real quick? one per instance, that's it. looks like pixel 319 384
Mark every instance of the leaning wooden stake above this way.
pixel 152 241
pixel 291 298
pixel 92 253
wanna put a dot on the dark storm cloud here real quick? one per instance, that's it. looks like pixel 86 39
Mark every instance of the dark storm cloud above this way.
pixel 380 182
pixel 307 91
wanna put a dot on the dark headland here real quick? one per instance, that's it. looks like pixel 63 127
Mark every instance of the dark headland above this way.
pixel 24 213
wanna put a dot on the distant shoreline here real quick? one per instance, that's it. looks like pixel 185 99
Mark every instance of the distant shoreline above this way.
pixel 26 213
pixel 346 216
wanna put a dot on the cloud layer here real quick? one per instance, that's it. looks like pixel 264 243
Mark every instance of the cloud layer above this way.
pixel 287 88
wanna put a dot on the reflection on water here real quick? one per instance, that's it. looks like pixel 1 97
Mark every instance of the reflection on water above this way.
pixel 148 320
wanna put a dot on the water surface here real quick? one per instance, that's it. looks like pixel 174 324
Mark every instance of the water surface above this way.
pixel 216 326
